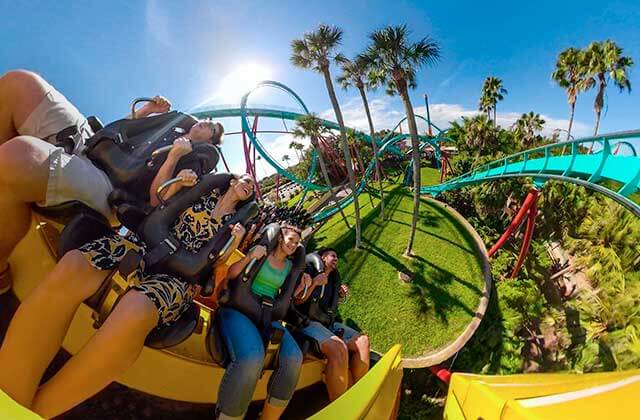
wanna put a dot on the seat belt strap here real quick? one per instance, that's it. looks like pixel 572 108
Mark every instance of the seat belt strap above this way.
pixel 165 248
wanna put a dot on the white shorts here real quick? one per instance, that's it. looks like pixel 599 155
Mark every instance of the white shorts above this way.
pixel 72 177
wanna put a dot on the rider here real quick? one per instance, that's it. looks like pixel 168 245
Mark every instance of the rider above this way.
pixel 335 339
pixel 42 320
pixel 33 170
pixel 244 341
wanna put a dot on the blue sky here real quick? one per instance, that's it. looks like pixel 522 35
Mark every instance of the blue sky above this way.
pixel 102 54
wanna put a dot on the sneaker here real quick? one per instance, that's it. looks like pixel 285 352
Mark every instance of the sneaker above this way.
pixel 5 281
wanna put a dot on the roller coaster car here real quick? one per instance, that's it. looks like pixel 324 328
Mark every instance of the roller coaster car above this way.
pixel 261 311
pixel 176 362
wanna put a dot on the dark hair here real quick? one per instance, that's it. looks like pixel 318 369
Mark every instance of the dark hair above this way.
pixel 215 139
pixel 323 251
pixel 288 226
pixel 227 185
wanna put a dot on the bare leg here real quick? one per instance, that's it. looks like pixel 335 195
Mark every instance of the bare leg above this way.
pixel 40 324
pixel 359 366
pixel 20 93
pixel 111 351
pixel 24 173
pixel 270 412
pixel 337 372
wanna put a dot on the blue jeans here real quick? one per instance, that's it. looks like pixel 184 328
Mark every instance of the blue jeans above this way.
pixel 246 352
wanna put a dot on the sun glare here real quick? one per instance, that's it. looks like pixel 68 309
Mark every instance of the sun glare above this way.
pixel 240 80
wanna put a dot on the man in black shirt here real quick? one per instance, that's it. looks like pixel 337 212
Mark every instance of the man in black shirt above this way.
pixel 346 350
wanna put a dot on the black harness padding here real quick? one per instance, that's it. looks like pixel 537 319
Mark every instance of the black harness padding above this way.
pixel 166 253
pixel 259 309
pixel 321 308
pixel 83 228
pixel 262 311
pixel 124 148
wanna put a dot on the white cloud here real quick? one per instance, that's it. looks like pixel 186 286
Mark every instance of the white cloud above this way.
pixel 386 112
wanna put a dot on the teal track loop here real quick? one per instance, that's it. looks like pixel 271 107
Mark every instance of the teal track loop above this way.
pixel 385 145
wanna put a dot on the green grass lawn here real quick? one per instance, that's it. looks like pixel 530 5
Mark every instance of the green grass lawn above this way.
pixel 437 305
pixel 429 176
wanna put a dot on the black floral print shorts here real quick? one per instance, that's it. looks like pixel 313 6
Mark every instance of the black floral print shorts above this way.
pixel 171 295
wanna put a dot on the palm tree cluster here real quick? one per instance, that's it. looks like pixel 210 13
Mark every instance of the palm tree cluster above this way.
pixel 392 60
pixel 599 64
pixel 526 127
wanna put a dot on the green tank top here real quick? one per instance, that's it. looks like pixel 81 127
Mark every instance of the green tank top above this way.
pixel 269 280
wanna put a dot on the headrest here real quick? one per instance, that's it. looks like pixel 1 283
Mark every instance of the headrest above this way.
pixel 316 260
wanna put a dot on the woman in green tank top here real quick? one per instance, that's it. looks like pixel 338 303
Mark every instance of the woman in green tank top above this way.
pixel 244 342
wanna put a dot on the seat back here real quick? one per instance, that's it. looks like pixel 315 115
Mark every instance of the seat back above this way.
pixel 156 230
pixel 322 305
pixel 81 229
pixel 175 333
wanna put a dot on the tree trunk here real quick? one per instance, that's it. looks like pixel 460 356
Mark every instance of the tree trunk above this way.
pixel 599 103
pixel 415 155
pixel 494 116
pixel 573 111
pixel 345 151
pixel 375 149
pixel 325 175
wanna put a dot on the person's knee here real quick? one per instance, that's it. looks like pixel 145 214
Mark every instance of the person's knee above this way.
pixel 73 276
pixel 21 81
pixel 138 311
pixel 18 157
pixel 292 358
pixel 335 350
pixel 248 367
pixel 362 344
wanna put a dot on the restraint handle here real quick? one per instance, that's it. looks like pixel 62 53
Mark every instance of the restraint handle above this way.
pixel 162 150
pixel 164 186
pixel 136 102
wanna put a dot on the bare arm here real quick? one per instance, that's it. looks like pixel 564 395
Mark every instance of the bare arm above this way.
pixel 181 146
pixel 159 105
pixel 238 232
pixel 299 294
pixel 236 269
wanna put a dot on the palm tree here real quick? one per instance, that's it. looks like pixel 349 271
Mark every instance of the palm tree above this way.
pixel 478 133
pixel 394 60
pixel 286 159
pixel 297 147
pixel 526 126
pixel 315 51
pixel 605 62
pixel 492 93
pixel 570 75
pixel 310 126
pixel 356 73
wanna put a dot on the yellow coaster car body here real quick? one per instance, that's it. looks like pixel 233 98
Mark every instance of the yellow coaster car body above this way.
pixel 186 371
pixel 609 395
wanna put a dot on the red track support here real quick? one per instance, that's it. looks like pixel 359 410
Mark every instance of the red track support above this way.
pixel 441 373
pixel 445 167
pixel 250 164
pixel 531 223
pixel 515 223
